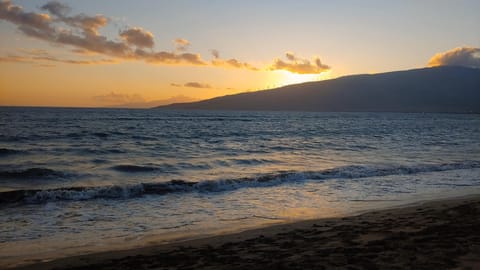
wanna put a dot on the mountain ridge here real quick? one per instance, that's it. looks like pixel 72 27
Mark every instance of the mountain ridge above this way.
pixel 439 89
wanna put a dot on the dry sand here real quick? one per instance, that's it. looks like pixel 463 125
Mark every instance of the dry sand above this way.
pixel 433 235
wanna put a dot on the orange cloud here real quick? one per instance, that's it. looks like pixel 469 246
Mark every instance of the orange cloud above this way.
pixel 462 56
pixel 181 44
pixel 15 59
pixel 299 65
pixel 229 63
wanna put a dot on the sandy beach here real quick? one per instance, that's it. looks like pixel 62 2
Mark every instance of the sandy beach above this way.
pixel 442 234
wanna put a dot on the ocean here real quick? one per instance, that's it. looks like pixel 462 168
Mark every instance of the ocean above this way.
pixel 75 181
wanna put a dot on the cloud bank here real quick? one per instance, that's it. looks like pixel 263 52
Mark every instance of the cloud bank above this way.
pixel 462 56
pixel 81 32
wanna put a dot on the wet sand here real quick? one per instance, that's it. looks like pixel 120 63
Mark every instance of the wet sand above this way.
pixel 442 234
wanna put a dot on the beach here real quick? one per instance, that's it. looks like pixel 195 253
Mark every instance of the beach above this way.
pixel 439 234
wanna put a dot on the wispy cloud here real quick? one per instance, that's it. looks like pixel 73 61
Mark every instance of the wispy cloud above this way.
pixel 192 85
pixel 15 59
pixel 299 65
pixel 462 56
pixel 197 85
pixel 181 44
pixel 113 98
pixel 229 63
pixel 41 57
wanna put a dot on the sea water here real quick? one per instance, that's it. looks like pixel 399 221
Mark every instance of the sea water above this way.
pixel 75 181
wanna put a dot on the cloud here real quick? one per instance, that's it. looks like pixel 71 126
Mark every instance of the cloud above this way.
pixel 138 37
pixel 113 98
pixel 233 63
pixel 83 34
pixel 192 85
pixel 181 44
pixel 56 8
pixel 299 65
pixel 171 58
pixel 215 53
pixel 88 24
pixel 229 63
pixel 462 56
pixel 30 23
pixel 72 61
pixel 42 56
pixel 15 59
pixel 197 85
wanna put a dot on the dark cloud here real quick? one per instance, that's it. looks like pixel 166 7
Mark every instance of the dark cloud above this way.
pixel 298 65
pixel 56 8
pixel 463 56
pixel 30 23
pixel 215 53
pixel 197 85
pixel 181 44
pixel 175 85
pixel 138 37
pixel 88 24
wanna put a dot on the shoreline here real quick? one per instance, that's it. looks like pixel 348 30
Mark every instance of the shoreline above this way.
pixel 439 233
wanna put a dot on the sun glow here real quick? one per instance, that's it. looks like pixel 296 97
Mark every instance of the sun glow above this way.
pixel 287 77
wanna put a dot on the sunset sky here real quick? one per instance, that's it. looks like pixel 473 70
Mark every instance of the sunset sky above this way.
pixel 104 53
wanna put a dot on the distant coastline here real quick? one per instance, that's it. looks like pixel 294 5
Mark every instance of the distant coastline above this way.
pixel 445 89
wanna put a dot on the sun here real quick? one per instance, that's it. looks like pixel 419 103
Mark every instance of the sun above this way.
pixel 287 77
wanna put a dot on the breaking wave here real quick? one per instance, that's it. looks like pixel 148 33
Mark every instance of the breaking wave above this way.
pixel 131 191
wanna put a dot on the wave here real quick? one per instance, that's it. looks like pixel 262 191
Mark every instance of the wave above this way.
pixel 175 186
pixel 134 168
pixel 31 173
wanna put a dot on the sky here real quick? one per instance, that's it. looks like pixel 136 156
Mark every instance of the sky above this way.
pixel 104 53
